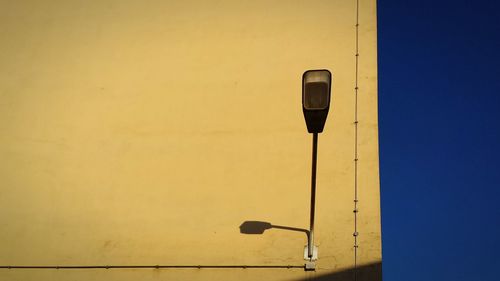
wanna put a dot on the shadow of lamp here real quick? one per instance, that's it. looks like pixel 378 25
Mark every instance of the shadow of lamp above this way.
pixel 316 88
pixel 259 227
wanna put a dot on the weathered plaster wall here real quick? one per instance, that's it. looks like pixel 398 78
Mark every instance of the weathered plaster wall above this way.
pixel 147 132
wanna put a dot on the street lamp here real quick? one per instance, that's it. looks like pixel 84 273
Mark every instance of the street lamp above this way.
pixel 316 86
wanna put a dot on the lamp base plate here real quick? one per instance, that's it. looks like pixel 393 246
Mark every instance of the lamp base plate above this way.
pixel 314 256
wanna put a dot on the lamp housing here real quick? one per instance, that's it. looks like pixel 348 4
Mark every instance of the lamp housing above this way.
pixel 316 88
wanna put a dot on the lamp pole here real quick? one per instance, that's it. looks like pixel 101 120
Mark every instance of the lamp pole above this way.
pixel 316 88
pixel 310 243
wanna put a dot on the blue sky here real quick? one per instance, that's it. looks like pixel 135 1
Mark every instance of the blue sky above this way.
pixel 439 116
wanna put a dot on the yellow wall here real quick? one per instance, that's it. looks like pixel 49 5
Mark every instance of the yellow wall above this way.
pixel 147 132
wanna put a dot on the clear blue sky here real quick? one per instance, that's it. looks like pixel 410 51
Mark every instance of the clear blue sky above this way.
pixel 439 119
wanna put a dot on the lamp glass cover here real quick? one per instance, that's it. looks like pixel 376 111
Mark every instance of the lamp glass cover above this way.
pixel 316 89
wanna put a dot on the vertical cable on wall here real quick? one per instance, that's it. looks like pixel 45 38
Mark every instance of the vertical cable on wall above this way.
pixel 356 88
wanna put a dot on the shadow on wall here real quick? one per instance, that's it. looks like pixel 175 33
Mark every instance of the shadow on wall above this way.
pixel 258 227
pixel 369 272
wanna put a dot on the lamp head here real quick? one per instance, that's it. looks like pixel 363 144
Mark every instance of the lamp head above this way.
pixel 316 87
